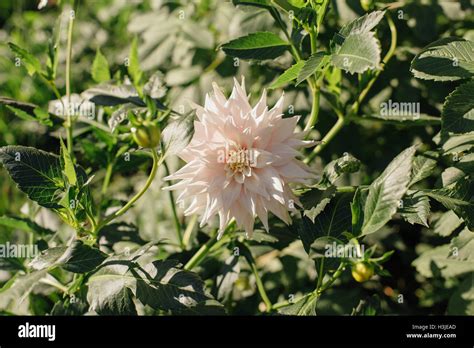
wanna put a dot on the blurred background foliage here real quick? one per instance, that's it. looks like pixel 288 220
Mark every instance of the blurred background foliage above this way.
pixel 181 39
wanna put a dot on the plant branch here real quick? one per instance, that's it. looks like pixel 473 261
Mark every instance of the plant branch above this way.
pixel 177 224
pixel 69 120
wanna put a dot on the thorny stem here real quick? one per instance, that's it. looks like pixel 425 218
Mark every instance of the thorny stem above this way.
pixel 156 163
pixel 177 224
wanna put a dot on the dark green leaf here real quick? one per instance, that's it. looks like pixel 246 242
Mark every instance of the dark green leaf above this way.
pixel 289 75
pixel 458 110
pixel 260 45
pixel 315 63
pixel 415 208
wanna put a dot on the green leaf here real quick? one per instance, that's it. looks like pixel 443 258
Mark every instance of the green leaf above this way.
pixel 76 258
pixel 43 117
pixel 256 3
pixel 447 59
pixel 446 223
pixel 422 168
pixel 100 68
pixel 164 286
pixel 415 208
pixel 23 224
pixel 36 172
pixel 31 63
pixel 303 306
pixel 177 134
pixel 436 262
pixel 346 164
pixel 458 110
pixel 226 278
pixel 409 120
pixel 17 289
pixel 315 63
pixel 69 169
pixel 21 114
pixel 110 291
pixel 332 221
pixel 459 197
pixel 386 192
pixel 462 246
pixel 289 75
pixel 259 45
pixel 462 300
pixel 134 63
pixel 368 307
pixel 27 107
pixel 315 200
pixel 358 53
pixel 362 24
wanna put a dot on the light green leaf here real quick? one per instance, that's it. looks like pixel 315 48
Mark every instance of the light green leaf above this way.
pixel 134 69
pixel 31 63
pixel 315 63
pixel 69 169
pixel 447 59
pixel 458 110
pixel 256 3
pixel 289 75
pixel 362 24
pixel 346 164
pixel 422 168
pixel 259 45
pixel 386 192
pixel 17 289
pixel 177 134
pixel 446 223
pixel 358 53
pixel 416 208
pixel 100 68
pixel 36 172
pixel 23 224
pixel 409 120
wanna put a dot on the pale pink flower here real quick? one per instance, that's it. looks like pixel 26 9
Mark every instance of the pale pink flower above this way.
pixel 240 161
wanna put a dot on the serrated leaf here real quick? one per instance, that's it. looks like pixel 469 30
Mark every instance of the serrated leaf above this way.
pixel 447 59
pixel 31 63
pixel 458 110
pixel 110 290
pixel 36 172
pixel 362 24
pixel 76 258
pixel 416 208
pixel 256 3
pixel 225 280
pixel 164 286
pixel 177 134
pixel 462 300
pixel 69 169
pixel 134 69
pixel 289 75
pixel 436 262
pixel 23 224
pixel 304 306
pixel 459 197
pixel 462 246
pixel 446 223
pixel 315 200
pixel 259 45
pixel 17 289
pixel 422 168
pixel 100 68
pixel 332 221
pixel 358 53
pixel 315 63
pixel 346 164
pixel 386 191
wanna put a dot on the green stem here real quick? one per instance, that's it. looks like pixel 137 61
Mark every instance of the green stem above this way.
pixel 68 123
pixel 108 176
pixel 327 138
pixel 189 230
pixel 156 163
pixel 206 248
pixel 313 118
pixel 177 224
pixel 258 281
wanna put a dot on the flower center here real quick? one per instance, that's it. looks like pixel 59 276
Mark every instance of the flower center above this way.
pixel 238 160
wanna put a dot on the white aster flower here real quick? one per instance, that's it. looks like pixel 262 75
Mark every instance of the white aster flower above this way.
pixel 240 161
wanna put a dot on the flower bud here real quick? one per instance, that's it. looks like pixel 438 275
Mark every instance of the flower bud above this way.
pixel 147 135
pixel 362 271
